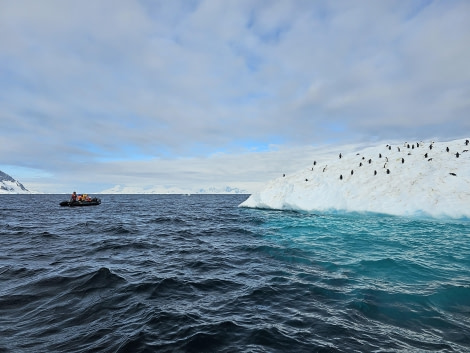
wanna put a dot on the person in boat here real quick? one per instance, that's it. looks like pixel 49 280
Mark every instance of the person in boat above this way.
pixel 73 198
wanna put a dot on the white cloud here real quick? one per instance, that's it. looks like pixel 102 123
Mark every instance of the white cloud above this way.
pixel 83 82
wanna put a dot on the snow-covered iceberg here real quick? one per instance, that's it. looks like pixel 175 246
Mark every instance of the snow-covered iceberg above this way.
pixel 411 178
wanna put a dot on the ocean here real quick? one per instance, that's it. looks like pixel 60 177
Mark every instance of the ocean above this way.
pixel 178 273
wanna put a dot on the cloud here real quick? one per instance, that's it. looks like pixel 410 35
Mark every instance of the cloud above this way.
pixel 115 80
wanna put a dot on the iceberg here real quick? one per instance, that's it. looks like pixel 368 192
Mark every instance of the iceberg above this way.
pixel 406 179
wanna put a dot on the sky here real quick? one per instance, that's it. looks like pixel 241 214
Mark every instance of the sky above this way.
pixel 187 95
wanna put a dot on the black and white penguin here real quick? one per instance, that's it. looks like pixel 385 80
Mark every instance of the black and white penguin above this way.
pixel 453 174
pixel 466 142
pixel 370 161
pixel 398 149
pixel 457 154
pixel 425 155
pixel 403 160
pixel 314 162
pixel 380 155
pixel 341 177
pixel 340 155
pixel 447 149
pixel 375 172
pixel 388 171
pixel 352 172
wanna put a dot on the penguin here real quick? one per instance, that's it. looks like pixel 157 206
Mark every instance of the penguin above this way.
pixel 402 160
pixel 314 162
pixel 417 144
pixel 466 142
pixel 398 149
pixel 375 172
pixel 324 169
pixel 430 146
pixel 457 155
pixel 370 161
pixel 341 177
pixel 447 149
pixel 389 148
pixel 408 145
pixel 283 175
pixel 430 159
pixel 425 155
pixel 388 171
pixel 352 172
pixel 380 155
pixel 340 155
pixel 412 147
pixel 453 174
pixel 360 164
pixel 306 179
pixel 386 159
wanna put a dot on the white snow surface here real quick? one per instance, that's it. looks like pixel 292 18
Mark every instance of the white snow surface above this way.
pixel 420 186
pixel 12 187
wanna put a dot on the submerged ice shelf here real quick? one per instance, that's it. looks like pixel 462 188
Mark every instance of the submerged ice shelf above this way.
pixel 424 178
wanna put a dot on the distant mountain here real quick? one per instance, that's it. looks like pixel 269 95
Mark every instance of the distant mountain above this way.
pixel 226 190
pixel 8 185
pixel 121 189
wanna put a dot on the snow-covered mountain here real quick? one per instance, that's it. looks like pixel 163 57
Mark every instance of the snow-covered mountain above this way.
pixel 8 185
pixel 411 178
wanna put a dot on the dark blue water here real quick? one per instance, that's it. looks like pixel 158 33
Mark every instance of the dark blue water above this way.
pixel 198 274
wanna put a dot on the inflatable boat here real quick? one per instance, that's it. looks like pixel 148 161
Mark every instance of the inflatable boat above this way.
pixel 93 202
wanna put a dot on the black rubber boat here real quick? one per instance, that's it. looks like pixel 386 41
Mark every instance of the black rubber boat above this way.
pixel 93 202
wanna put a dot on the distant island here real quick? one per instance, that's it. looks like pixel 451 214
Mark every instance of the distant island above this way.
pixel 411 178
pixel 8 185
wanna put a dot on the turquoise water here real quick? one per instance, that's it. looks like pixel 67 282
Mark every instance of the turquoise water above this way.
pixel 407 278
pixel 171 273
